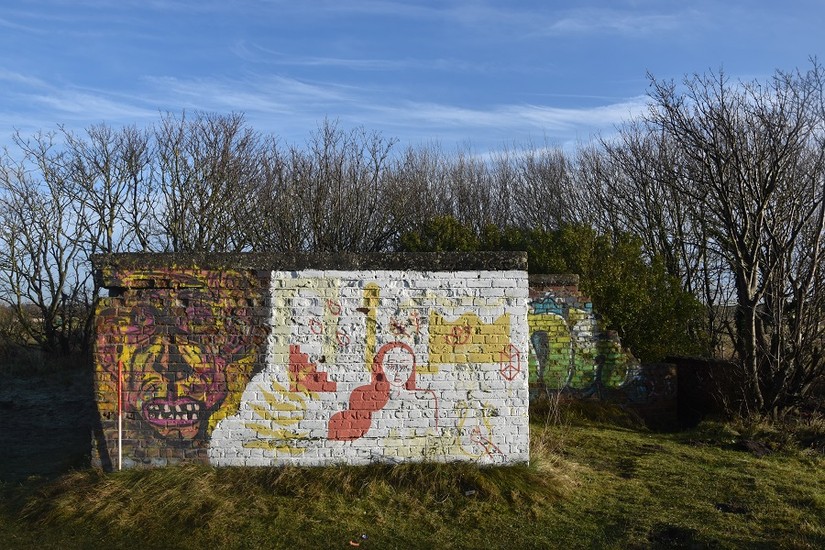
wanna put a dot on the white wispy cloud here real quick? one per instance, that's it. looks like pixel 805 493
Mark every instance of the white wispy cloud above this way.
pixel 595 117
pixel 260 54
pixel 20 79
pixel 532 18
pixel 510 118
pixel 7 23
pixel 605 20
pixel 273 94
pixel 292 108
pixel 485 129
pixel 85 105
pixel 30 104
pixel 323 8
pixel 256 53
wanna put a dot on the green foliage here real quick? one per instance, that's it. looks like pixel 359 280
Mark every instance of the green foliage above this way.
pixel 441 234
pixel 634 295
pixel 654 316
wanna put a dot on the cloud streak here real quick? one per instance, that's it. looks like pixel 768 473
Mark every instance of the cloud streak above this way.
pixel 592 21
pixel 285 96
pixel 291 108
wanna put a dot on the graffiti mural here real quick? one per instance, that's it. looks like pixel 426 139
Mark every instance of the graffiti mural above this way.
pixel 183 354
pixel 571 353
pixel 386 366
pixel 569 350
pixel 255 367
pixel 250 366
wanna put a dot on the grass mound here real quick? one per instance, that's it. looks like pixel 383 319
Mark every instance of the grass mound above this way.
pixel 595 479
pixel 196 505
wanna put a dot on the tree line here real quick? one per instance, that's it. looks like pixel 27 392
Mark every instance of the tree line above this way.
pixel 699 227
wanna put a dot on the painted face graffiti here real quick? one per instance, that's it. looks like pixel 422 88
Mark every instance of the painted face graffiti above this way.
pixel 176 348
pixel 175 381
pixel 399 366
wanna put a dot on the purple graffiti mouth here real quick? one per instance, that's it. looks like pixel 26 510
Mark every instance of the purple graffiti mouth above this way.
pixel 180 412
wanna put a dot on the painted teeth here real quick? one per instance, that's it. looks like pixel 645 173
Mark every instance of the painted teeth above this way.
pixel 189 411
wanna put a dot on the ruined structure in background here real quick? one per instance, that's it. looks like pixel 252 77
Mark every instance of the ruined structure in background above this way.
pixel 572 352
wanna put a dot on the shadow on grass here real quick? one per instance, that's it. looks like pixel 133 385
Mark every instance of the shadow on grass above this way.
pixel 46 421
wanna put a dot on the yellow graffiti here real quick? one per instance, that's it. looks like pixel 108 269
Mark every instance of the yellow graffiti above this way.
pixel 482 426
pixel 283 409
pixel 236 386
pixel 467 339
pixel 433 445
pixel 546 322
pixel 372 298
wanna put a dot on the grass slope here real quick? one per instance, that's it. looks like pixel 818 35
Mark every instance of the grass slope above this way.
pixel 590 484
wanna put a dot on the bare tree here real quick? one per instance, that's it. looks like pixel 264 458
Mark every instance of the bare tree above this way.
pixel 277 223
pixel 628 186
pixel 207 171
pixel 42 255
pixel 110 182
pixel 416 188
pixel 543 188
pixel 752 169
pixel 471 191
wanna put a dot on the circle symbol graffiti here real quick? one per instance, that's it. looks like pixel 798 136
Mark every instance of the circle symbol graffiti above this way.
pixel 315 326
pixel 334 307
pixel 342 337
pixel 459 335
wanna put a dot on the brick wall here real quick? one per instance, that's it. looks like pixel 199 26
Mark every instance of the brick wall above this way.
pixel 266 360
pixel 570 348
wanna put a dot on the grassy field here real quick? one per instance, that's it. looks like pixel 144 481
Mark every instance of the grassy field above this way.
pixel 592 483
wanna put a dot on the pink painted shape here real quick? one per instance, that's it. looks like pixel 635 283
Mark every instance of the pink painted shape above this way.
pixel 356 421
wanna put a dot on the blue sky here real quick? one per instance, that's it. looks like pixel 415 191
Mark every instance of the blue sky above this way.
pixel 479 73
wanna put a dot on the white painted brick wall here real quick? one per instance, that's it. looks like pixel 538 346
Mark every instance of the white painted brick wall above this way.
pixel 338 335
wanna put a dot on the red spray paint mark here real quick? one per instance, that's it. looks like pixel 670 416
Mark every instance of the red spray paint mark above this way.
pixel 416 320
pixel 315 326
pixel 459 336
pixel 334 307
pixel 304 375
pixel 397 328
pixel 489 447
pixel 510 362
pixel 342 337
